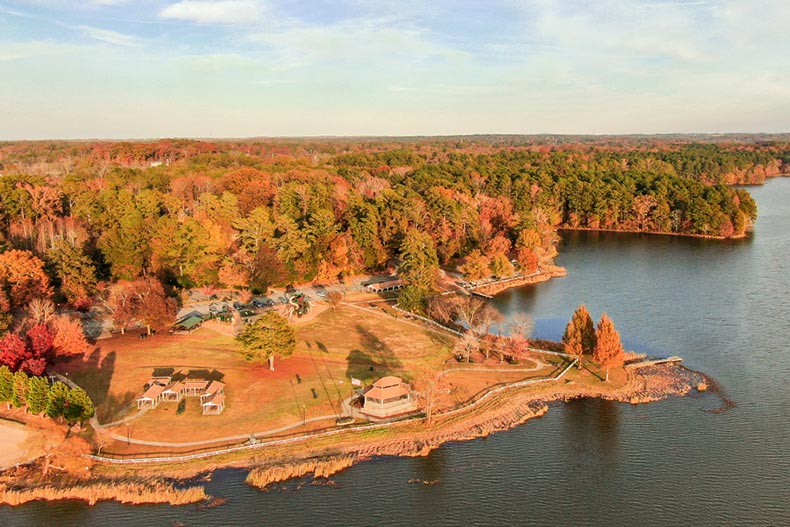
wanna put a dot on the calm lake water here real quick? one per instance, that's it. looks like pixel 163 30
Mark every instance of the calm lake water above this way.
pixel 723 306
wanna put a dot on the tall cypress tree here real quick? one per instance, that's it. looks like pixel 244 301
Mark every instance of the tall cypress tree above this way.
pixel 6 384
pixel 579 337
pixel 608 348
pixel 19 396
pixel 37 394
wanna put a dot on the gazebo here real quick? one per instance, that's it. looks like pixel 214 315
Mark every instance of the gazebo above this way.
pixel 388 397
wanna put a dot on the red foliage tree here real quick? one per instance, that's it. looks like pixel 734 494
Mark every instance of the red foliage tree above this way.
pixel 13 351
pixel 40 340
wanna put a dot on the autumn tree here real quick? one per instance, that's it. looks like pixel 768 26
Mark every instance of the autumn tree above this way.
pixel 75 271
pixel 6 317
pixel 37 394
pixel 40 311
pixel 433 391
pixel 579 337
pixel 520 328
pixel 13 351
pixel 143 300
pixel 500 266
pixel 269 336
pixel 527 260
pixel 334 298
pixel 608 347
pixel 22 276
pixel 69 337
pixel 442 308
pixel 476 266
pixel 467 345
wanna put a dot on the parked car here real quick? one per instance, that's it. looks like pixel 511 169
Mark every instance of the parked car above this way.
pixel 237 305
pixel 290 289
pixel 321 293
pixel 283 300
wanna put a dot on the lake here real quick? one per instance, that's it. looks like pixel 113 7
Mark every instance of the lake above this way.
pixel 722 305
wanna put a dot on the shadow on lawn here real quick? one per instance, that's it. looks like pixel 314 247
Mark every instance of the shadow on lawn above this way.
pixel 97 382
pixel 101 370
pixel 377 359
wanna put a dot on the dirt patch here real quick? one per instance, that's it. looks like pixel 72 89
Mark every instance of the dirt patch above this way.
pixel 14 445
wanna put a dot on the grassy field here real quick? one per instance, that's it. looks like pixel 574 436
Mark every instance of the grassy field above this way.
pixel 331 349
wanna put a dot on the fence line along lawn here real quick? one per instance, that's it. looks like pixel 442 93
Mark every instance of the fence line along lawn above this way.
pixel 331 349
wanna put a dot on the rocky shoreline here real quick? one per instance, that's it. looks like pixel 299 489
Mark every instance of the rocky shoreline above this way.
pixel 497 287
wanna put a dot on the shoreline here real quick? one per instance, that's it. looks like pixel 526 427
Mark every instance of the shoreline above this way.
pixel 659 233
pixel 324 456
pixel 495 288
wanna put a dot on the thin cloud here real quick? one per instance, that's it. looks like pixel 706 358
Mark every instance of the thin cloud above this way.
pixel 214 12
pixel 110 37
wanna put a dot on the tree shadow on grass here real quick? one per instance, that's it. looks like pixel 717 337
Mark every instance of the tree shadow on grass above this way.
pixel 96 375
pixel 377 359
pixel 115 407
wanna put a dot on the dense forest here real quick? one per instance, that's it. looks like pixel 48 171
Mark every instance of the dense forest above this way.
pixel 78 217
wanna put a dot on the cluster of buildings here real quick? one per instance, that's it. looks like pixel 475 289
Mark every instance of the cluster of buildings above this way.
pixel 175 387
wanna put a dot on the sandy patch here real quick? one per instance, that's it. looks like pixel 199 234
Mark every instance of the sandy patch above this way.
pixel 13 439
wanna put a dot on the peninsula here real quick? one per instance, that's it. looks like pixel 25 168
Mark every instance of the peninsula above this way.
pixel 171 307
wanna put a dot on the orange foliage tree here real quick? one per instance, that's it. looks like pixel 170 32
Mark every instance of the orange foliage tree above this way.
pixel 69 336
pixel 22 276
pixel 608 347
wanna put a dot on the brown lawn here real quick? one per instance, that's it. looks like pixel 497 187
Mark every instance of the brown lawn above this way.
pixel 331 348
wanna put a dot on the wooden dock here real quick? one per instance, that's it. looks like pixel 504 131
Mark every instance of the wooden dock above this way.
pixel 655 362
pixel 481 295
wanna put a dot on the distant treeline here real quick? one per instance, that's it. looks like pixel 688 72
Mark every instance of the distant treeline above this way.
pixel 257 213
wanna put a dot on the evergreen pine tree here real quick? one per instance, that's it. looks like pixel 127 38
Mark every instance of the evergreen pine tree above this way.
pixel 57 399
pixel 6 384
pixel 78 406
pixel 37 394
pixel 19 396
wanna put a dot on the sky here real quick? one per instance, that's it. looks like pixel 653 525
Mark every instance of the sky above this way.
pixel 140 69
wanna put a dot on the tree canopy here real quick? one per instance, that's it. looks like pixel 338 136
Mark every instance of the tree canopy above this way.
pixel 269 336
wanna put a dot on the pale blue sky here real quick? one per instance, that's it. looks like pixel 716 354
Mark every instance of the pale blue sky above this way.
pixel 240 68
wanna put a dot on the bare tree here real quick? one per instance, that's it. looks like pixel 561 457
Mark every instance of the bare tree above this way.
pixel 334 298
pixel 433 389
pixel 468 344
pixel 40 311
